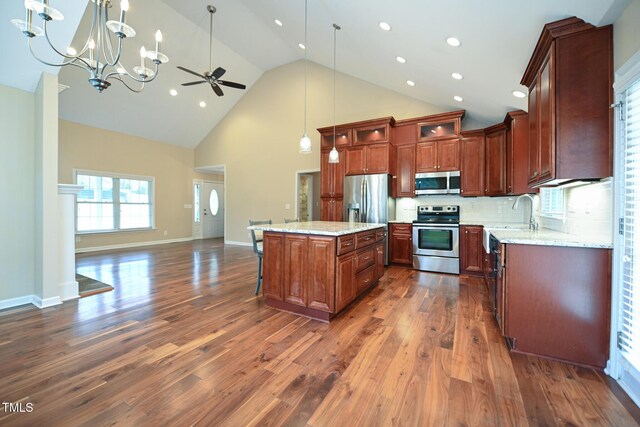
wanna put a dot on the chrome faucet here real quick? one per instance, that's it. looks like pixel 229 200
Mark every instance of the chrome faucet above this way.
pixel 533 224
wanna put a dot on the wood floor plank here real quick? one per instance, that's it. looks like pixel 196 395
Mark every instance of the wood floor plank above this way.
pixel 182 340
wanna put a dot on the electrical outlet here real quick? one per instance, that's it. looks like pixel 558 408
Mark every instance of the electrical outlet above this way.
pixel 287 206
pixel 165 232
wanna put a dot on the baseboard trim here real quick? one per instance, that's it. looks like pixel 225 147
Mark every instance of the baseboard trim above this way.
pixel 132 245
pixel 69 290
pixel 232 242
pixel 15 302
pixel 47 302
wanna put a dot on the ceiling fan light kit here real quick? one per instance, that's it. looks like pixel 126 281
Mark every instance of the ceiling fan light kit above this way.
pixel 213 76
pixel 98 56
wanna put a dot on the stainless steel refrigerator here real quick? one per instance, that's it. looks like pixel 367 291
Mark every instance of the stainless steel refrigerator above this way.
pixel 367 198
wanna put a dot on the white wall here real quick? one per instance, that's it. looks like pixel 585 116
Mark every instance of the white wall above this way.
pixel 17 189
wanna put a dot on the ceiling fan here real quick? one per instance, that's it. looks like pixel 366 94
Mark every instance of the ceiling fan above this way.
pixel 212 77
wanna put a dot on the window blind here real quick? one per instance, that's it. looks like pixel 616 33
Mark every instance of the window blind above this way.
pixel 629 338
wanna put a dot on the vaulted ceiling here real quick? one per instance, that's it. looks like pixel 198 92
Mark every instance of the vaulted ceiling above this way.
pixel 497 39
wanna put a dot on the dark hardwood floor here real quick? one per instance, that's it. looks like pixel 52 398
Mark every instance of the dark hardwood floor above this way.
pixel 182 340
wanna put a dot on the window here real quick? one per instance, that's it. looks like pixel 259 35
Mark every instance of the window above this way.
pixel 196 203
pixel 552 202
pixel 111 202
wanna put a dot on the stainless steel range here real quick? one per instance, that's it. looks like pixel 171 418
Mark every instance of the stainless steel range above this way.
pixel 436 237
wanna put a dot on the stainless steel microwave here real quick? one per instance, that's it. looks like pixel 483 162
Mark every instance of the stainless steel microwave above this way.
pixel 438 183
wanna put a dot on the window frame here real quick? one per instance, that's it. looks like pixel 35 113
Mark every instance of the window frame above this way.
pixel 554 215
pixel 116 201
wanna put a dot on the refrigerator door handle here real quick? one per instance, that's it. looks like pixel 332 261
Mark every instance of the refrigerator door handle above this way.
pixel 365 195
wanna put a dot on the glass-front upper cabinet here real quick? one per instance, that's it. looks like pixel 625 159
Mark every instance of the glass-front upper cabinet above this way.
pixel 371 134
pixel 343 137
pixel 441 126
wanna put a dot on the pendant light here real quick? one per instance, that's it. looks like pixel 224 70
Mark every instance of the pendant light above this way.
pixel 305 141
pixel 333 154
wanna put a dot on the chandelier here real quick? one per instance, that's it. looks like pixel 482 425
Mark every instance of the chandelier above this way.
pixel 100 56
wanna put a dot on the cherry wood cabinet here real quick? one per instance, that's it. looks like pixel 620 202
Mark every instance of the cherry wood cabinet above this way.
pixel 368 159
pixel 331 209
pixel 373 133
pixel 317 276
pixel 471 250
pixel 332 175
pixel 495 182
pixel 405 179
pixel 570 78
pixel 401 244
pixel 556 302
pixel 437 156
pixel 439 126
pixel 472 163
pixel 517 123
pixel 343 137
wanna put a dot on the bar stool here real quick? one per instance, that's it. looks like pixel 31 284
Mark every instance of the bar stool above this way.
pixel 256 236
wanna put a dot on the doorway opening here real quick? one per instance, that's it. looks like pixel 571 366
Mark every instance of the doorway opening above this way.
pixel 308 195
pixel 209 204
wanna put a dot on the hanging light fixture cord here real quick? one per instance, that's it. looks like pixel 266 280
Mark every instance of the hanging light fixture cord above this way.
pixel 335 29
pixel 305 67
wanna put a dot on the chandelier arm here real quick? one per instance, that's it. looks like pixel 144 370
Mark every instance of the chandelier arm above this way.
pixel 129 87
pixel 134 78
pixel 93 26
pixel 46 35
pixel 71 62
pixel 114 61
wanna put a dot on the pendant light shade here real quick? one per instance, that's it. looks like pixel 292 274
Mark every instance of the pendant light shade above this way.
pixel 305 144
pixel 305 141
pixel 334 156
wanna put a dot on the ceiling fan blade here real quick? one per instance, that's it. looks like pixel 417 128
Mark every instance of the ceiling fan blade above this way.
pixel 218 72
pixel 232 84
pixel 194 83
pixel 191 72
pixel 217 89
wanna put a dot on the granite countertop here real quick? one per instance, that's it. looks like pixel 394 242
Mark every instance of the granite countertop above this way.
pixel 323 228
pixel 548 238
pixel 489 224
pixel 398 221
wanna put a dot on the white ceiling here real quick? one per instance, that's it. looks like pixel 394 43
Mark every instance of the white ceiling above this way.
pixel 497 38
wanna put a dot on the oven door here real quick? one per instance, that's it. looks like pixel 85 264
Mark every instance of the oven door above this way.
pixel 436 240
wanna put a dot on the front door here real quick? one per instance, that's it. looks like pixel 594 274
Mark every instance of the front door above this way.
pixel 212 203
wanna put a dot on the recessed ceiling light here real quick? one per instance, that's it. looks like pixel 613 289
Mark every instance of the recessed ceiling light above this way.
pixel 456 76
pixel 278 22
pixel 71 51
pixel 301 46
pixel 401 60
pixel 173 92
pixel 411 83
pixel 385 26
pixel 458 98
pixel 452 41
pixel 203 104
pixel 519 94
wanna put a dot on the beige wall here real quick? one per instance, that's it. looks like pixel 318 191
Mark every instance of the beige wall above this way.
pixel 17 187
pixel 626 34
pixel 88 148
pixel 258 139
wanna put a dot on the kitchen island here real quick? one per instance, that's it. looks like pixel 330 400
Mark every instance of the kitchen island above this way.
pixel 318 268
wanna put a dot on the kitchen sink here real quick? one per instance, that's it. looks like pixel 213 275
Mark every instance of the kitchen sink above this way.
pixel 486 232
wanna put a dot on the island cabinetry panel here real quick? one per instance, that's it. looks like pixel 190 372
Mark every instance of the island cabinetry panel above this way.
pixel 557 302
pixel 400 244
pixel 273 277
pixel 472 163
pixel 345 285
pixel 570 78
pixel 471 250
pixel 316 275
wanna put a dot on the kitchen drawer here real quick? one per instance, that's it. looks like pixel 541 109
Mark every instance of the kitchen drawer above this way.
pixel 380 235
pixel 365 258
pixel 365 238
pixel 403 229
pixel 365 279
pixel 346 243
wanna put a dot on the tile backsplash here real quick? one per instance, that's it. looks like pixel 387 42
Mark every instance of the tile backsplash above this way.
pixel 481 209
pixel 588 212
